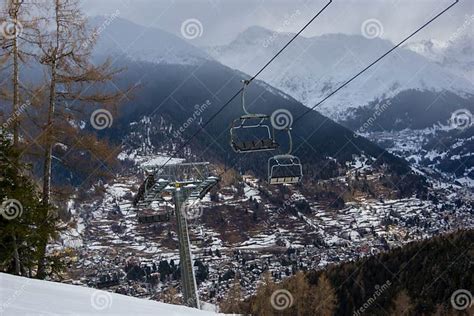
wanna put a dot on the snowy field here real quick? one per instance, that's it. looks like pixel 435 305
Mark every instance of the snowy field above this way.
pixel 22 296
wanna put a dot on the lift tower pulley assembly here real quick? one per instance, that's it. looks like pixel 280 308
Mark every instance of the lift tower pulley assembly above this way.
pixel 187 183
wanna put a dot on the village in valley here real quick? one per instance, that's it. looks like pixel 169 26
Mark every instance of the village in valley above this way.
pixel 238 233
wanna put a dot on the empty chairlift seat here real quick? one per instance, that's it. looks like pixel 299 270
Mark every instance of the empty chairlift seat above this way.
pixel 150 216
pixel 284 169
pixel 252 133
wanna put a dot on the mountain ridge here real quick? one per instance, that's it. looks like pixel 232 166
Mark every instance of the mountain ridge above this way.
pixel 321 63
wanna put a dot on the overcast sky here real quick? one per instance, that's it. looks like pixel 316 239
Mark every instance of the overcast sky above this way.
pixel 222 20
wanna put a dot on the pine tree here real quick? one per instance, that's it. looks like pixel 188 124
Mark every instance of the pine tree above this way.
pixel 300 289
pixel 324 300
pixel 19 221
pixel 261 305
pixel 402 305
pixel 232 302
pixel 66 48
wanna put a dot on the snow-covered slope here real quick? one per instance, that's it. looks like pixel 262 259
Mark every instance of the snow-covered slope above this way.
pixel 459 56
pixel 431 49
pixel 22 296
pixel 455 55
pixel 310 68
pixel 119 36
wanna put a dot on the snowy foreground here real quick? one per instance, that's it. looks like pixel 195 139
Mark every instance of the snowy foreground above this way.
pixel 22 296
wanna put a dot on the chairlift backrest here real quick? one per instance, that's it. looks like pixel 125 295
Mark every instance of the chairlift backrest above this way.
pixel 284 169
pixel 252 132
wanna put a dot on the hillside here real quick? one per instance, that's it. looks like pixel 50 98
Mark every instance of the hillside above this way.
pixel 416 279
pixel 447 258
pixel 247 227
pixel 182 88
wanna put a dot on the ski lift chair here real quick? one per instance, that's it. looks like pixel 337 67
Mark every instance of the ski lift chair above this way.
pixel 151 216
pixel 252 132
pixel 285 169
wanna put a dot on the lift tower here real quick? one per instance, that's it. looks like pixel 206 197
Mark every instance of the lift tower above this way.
pixel 186 183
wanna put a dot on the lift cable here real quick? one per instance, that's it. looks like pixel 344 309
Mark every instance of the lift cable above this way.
pixel 365 69
pixel 328 96
pixel 374 62
pixel 332 93
pixel 240 90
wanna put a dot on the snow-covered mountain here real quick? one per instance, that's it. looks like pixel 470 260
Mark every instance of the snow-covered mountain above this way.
pixel 431 49
pixel 170 90
pixel 311 68
pixel 455 55
pixel 23 296
pixel 119 36
pixel 459 56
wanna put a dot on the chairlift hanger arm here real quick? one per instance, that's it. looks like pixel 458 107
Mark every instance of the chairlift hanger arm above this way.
pixel 249 115
pixel 245 82
pixel 290 141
